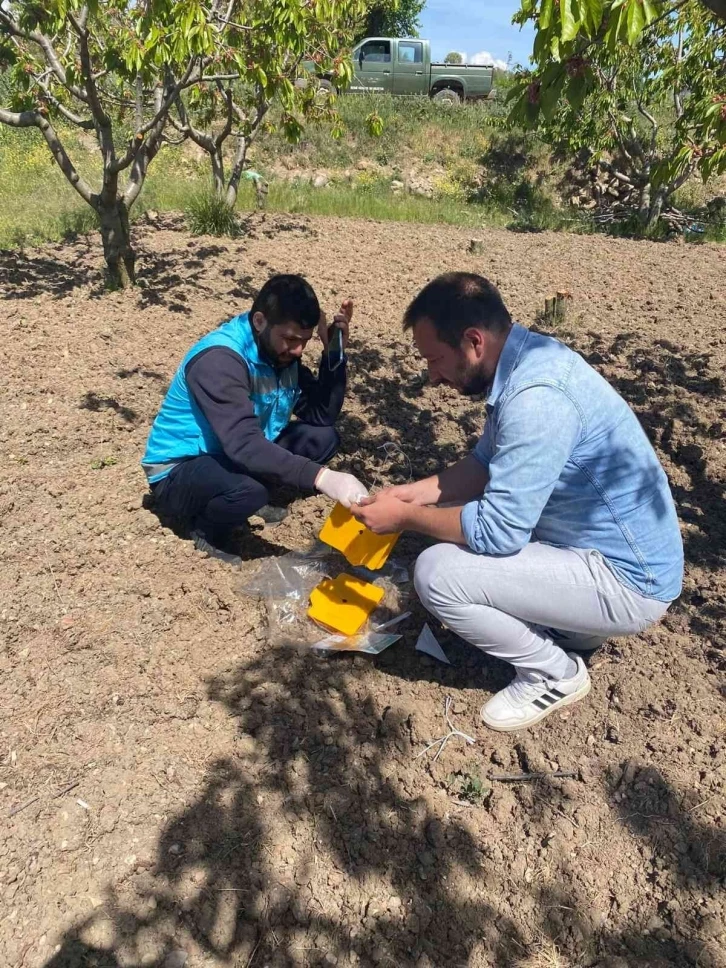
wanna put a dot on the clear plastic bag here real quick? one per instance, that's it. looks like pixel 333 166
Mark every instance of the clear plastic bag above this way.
pixel 284 583
pixel 371 643
pixel 286 576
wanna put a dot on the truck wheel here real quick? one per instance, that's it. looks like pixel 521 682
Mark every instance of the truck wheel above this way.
pixel 447 96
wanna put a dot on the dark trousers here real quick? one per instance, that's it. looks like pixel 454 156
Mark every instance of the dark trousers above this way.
pixel 212 494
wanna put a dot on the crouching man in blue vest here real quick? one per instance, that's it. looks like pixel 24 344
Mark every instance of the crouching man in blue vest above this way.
pixel 225 433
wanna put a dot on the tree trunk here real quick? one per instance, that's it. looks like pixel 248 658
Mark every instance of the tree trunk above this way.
pixel 644 203
pixel 117 249
pixel 218 172
pixel 654 212
pixel 237 169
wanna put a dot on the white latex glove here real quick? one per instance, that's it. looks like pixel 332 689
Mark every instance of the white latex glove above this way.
pixel 340 487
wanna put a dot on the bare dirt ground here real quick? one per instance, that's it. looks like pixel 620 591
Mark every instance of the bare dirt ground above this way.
pixel 248 806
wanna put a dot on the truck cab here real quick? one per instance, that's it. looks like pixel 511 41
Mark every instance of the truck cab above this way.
pixel 392 65
pixel 402 66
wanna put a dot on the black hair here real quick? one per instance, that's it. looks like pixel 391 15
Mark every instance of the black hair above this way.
pixel 457 301
pixel 287 299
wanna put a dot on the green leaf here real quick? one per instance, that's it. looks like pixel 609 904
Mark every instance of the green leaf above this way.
pixel 577 92
pixel 374 124
pixel 635 20
pixel 551 92
pixel 592 15
pixel 541 45
pixel 545 14
pixel 570 25
pixel 531 112
pixel 650 11
pixel 613 33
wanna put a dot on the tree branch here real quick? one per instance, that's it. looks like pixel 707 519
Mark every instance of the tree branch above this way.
pixel 148 149
pixel 620 139
pixel 49 52
pixel 243 144
pixel 651 120
pixel 34 119
pixel 217 77
pixel 200 138
pixel 678 102
pixel 94 102
pixel 174 142
pixel 680 180
pixel 139 102
pixel 137 146
pixel 85 123
pixel 227 129
pixel 162 109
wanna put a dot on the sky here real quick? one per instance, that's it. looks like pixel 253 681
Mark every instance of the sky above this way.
pixel 476 27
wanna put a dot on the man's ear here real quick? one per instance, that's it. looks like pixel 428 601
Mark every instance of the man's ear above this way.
pixel 477 339
pixel 259 322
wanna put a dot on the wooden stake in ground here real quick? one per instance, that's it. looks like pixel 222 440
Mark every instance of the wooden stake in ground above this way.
pixel 555 312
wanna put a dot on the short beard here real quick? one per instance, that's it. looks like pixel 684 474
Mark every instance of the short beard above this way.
pixel 265 345
pixel 474 383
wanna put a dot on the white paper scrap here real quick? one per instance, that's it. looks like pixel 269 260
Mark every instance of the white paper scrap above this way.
pixel 427 643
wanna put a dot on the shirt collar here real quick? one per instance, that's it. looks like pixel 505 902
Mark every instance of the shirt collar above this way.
pixel 508 361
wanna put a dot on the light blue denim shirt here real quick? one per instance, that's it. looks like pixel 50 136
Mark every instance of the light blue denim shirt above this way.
pixel 570 465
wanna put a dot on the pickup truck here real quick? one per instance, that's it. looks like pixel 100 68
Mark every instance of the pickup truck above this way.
pixel 402 66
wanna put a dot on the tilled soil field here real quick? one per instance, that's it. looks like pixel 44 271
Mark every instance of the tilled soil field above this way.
pixel 174 790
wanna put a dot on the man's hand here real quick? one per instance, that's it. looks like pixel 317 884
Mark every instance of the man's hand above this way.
pixel 342 320
pixel 387 515
pixel 420 493
pixel 344 488
pixel 383 514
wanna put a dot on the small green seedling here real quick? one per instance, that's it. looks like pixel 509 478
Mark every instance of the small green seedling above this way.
pixel 101 462
pixel 469 787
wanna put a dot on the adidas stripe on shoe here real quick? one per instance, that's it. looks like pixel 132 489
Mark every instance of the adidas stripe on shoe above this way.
pixel 528 698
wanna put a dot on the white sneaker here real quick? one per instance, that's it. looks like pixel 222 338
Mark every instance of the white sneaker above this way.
pixel 529 698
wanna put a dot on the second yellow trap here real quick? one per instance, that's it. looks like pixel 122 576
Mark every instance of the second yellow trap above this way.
pixel 359 545
pixel 344 603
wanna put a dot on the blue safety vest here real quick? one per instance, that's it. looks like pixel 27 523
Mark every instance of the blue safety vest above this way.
pixel 181 430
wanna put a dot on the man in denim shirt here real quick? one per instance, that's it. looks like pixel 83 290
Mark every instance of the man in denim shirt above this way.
pixel 558 530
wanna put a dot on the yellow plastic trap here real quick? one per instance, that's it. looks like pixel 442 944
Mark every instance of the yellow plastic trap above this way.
pixel 344 603
pixel 359 545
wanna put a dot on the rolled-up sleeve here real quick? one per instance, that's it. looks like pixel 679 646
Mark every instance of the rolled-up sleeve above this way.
pixel 537 430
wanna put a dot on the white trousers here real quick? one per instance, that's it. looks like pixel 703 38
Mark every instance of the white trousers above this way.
pixel 532 607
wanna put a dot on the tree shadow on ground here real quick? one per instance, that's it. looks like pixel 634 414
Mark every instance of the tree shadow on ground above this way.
pixel 164 275
pixel 91 401
pixel 28 274
pixel 317 847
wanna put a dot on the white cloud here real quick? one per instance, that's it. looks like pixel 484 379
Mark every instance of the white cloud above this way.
pixel 485 59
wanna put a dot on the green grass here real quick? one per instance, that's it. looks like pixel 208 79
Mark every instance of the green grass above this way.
pixel 208 214
pixel 37 204
pixel 484 175
pixel 413 128
pixel 378 203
